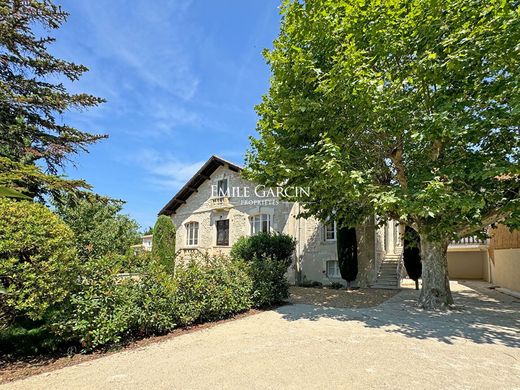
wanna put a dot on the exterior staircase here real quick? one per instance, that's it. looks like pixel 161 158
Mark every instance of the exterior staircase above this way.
pixel 389 274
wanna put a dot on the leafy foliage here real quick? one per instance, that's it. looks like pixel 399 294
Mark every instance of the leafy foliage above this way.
pixel 163 242
pixel 29 103
pixel 18 340
pixel 31 181
pixel 34 136
pixel 409 110
pixel 270 285
pixel 211 289
pixel 37 259
pixel 98 225
pixel 347 253
pixel 274 246
pixel 268 256
pixel 108 308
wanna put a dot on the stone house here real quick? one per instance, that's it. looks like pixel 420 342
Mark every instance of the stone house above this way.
pixel 217 206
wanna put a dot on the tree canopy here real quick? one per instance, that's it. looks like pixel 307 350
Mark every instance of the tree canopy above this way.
pixel 99 226
pixel 406 109
pixel 33 96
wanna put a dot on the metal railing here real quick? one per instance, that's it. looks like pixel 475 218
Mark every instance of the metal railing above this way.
pixel 399 270
pixel 471 240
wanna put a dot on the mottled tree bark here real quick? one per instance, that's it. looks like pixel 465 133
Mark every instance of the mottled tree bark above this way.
pixel 435 292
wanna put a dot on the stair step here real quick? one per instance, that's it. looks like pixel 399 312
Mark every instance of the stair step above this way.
pixel 384 286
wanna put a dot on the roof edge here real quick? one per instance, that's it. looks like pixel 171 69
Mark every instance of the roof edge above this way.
pixel 191 185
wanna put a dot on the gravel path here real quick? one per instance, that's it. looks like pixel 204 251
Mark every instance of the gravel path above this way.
pixel 393 345
pixel 353 299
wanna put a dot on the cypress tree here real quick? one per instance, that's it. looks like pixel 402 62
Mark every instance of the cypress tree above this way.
pixel 163 243
pixel 347 253
pixel 412 255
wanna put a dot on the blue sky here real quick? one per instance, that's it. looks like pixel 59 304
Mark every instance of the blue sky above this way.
pixel 181 79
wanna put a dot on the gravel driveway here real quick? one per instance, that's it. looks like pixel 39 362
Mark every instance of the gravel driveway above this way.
pixel 393 345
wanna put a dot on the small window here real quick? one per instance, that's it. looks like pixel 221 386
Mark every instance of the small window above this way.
pixel 222 188
pixel 223 232
pixel 333 269
pixel 192 233
pixel 260 223
pixel 330 231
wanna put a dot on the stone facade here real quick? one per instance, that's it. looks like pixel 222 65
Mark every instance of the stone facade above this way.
pixel 205 208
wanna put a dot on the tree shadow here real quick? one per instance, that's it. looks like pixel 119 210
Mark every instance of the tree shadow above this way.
pixel 481 315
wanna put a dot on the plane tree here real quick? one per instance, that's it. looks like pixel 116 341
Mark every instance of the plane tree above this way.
pixel 405 109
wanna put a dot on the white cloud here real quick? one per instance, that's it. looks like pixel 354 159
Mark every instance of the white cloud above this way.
pixel 165 171
pixel 146 37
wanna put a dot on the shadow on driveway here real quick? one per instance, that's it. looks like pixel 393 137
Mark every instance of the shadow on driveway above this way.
pixel 481 315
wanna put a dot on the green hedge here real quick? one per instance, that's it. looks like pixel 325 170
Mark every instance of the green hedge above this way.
pixel 109 309
pixel 50 300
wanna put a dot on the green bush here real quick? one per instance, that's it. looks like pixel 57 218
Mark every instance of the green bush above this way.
pixel 270 285
pixel 99 226
pixel 268 256
pixel 38 266
pixel 110 307
pixel 163 242
pixel 274 246
pixel 18 340
pixel 211 289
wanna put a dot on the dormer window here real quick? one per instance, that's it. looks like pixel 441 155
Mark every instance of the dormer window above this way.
pixel 222 188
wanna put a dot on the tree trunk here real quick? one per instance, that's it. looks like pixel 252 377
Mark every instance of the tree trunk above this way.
pixel 435 292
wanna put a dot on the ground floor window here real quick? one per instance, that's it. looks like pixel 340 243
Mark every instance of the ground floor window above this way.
pixel 333 269
pixel 192 233
pixel 260 223
pixel 223 232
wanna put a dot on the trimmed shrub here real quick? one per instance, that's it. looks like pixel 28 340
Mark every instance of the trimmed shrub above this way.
pixel 347 253
pixel 211 289
pixel 270 285
pixel 38 266
pixel 109 307
pixel 268 256
pixel 276 246
pixel 163 243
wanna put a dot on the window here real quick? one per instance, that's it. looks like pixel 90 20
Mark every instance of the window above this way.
pixel 223 232
pixel 330 231
pixel 333 269
pixel 260 223
pixel 222 187
pixel 192 237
